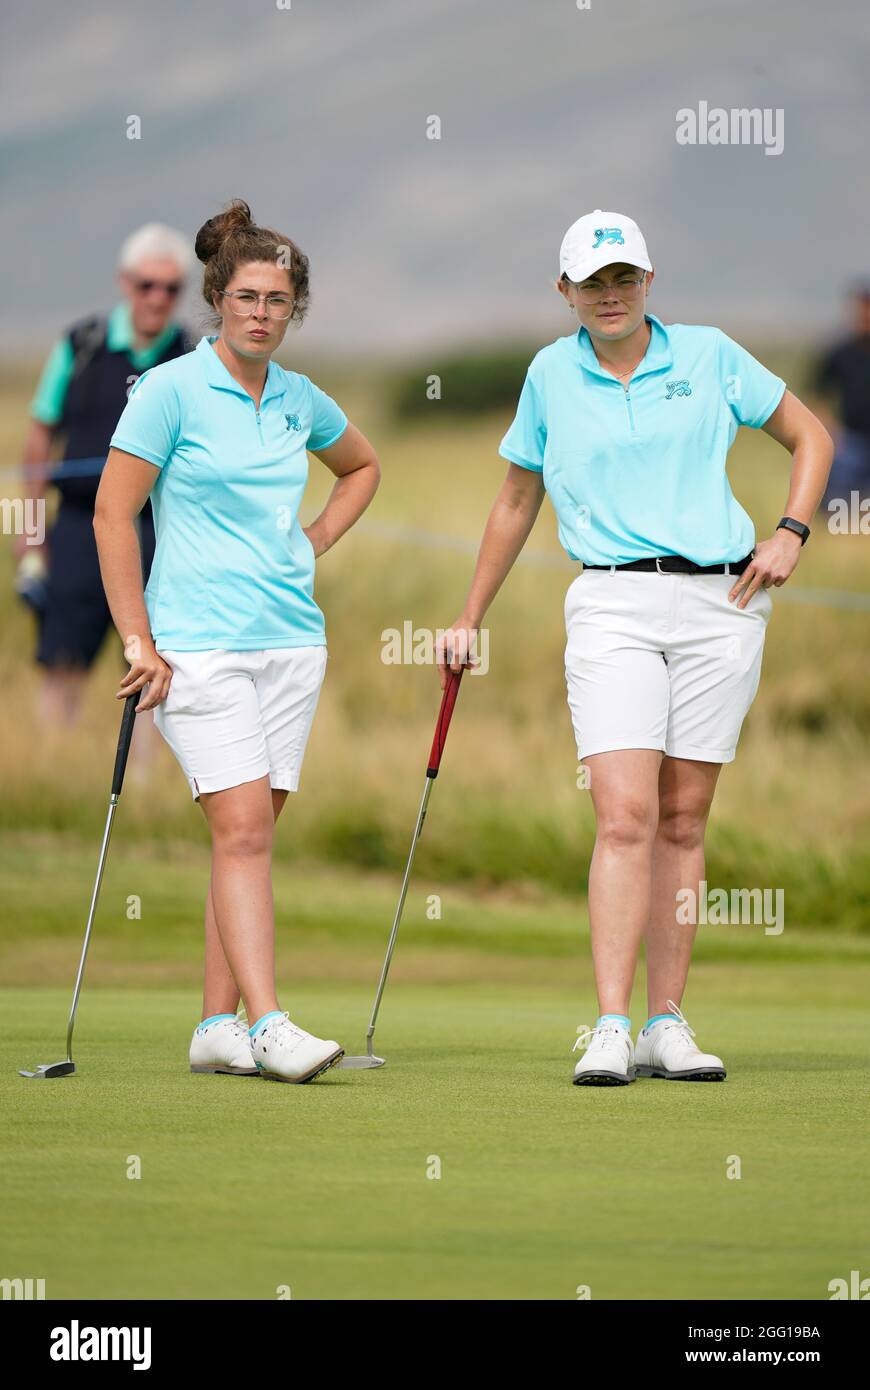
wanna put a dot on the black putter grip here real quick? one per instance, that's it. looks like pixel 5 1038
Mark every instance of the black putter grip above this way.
pixel 128 718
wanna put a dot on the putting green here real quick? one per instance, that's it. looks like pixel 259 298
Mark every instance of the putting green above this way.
pixel 248 1186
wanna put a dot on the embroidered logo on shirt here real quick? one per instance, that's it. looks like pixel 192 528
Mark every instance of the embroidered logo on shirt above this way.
pixel 677 388
pixel 612 235
pixel 293 422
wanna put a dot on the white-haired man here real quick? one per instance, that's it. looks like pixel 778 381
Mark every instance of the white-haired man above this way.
pixel 81 393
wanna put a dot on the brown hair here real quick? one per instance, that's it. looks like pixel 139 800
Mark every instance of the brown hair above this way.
pixel 232 238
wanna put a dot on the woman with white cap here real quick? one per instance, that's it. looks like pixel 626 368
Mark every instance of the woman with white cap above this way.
pixel 626 423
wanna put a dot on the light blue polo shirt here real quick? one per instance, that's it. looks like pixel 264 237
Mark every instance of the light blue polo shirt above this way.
pixel 233 568
pixel 641 472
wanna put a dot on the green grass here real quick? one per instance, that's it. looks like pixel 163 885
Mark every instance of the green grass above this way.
pixel 247 1185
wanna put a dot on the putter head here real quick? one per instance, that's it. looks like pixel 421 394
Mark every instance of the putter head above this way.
pixel 362 1063
pixel 50 1069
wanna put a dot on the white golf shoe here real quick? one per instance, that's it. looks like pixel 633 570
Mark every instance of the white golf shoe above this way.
pixel 284 1052
pixel 609 1056
pixel 668 1050
pixel 221 1044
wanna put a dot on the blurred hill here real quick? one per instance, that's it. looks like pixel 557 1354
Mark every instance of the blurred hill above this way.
pixel 317 114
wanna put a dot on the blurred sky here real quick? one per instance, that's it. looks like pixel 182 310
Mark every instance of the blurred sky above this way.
pixel 317 115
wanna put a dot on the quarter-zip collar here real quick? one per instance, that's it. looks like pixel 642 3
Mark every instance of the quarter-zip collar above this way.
pixel 658 356
pixel 217 375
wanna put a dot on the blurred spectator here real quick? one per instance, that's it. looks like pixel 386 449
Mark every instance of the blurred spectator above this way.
pixel 843 382
pixel 81 393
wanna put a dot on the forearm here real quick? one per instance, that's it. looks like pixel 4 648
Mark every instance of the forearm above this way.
pixel 35 462
pixel 348 500
pixel 826 415
pixel 812 457
pixel 121 570
pixel 507 531
pixel 797 429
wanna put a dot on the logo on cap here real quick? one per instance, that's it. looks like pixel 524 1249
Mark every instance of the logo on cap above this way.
pixel 612 235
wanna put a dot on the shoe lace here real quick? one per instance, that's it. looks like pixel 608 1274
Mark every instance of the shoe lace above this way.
pixel 241 1022
pixel 680 1022
pixel 585 1034
pixel 286 1024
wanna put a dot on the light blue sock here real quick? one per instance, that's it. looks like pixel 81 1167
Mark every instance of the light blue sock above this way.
pixel 214 1018
pixel 656 1018
pixel 620 1018
pixel 274 1013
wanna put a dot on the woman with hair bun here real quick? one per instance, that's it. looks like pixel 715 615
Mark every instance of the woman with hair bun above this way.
pixel 227 643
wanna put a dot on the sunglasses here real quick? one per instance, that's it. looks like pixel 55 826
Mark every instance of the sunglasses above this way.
pixel 170 287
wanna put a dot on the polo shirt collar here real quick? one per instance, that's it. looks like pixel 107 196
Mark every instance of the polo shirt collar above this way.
pixel 658 356
pixel 217 375
pixel 120 338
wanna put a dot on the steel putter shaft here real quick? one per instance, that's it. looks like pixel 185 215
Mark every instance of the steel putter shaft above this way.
pixel 67 1068
pixel 451 690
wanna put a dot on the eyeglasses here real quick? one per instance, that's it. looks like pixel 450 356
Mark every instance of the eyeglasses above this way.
pixel 627 288
pixel 245 302
pixel 170 287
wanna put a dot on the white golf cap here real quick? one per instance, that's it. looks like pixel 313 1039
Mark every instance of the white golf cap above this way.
pixel 598 239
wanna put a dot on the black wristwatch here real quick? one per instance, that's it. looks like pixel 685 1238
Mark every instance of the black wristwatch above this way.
pixel 788 523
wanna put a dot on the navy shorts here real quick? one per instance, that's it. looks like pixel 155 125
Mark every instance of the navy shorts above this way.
pixel 76 616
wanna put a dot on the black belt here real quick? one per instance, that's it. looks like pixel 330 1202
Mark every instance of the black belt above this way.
pixel 676 564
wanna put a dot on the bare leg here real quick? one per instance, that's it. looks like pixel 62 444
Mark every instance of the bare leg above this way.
pixel 220 992
pixel 61 695
pixel 145 741
pixel 624 787
pixel 686 792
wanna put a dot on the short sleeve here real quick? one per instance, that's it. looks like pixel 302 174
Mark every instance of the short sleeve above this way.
pixel 525 440
pixel 48 402
pixel 151 420
pixel 328 420
pixel 751 391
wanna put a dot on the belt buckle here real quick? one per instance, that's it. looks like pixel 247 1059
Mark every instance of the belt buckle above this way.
pixel 659 565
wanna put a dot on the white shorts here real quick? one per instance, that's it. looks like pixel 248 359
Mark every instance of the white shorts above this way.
pixel 231 717
pixel 661 661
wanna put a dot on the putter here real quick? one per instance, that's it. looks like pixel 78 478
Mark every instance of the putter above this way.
pixel 67 1068
pixel 451 690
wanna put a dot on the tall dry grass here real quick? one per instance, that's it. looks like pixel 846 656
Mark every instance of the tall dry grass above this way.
pixel 792 811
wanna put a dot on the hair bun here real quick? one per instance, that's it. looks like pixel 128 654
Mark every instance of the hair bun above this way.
pixel 213 233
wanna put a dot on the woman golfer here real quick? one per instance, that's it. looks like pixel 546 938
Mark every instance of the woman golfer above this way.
pixel 627 424
pixel 227 638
